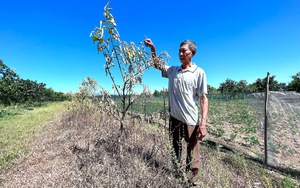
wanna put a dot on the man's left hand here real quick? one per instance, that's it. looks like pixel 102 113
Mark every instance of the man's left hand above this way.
pixel 201 132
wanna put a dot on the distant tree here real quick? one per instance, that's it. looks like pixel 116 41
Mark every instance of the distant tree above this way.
pixel 164 92
pixel 211 89
pixel 8 84
pixel 294 85
pixel 274 85
pixel 260 84
pixel 14 90
pixel 146 94
pixel 282 86
pixel 160 93
pixel 242 86
pixel 156 93
pixel 229 86
pixel 87 94
pixel 87 89
pixel 6 72
pixel 27 91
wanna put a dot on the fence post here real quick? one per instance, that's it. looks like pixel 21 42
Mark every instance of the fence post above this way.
pixel 165 95
pixel 266 120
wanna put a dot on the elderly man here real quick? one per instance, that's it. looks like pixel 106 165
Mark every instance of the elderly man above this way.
pixel 187 86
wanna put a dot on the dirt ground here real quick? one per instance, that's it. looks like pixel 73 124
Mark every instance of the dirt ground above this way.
pixel 57 156
pixel 79 149
pixel 50 162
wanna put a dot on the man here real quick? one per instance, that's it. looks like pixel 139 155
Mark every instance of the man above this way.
pixel 187 84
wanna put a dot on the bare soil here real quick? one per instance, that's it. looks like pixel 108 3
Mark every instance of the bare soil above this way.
pixel 80 150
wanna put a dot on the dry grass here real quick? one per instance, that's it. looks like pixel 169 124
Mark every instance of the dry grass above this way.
pixel 19 124
pixel 85 148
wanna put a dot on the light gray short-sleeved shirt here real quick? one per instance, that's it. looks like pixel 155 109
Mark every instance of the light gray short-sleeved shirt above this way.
pixel 185 89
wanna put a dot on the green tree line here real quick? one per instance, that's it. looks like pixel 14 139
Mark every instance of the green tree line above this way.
pixel 230 86
pixel 15 90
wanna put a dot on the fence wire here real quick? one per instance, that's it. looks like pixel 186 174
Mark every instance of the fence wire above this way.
pixel 283 127
pixel 238 119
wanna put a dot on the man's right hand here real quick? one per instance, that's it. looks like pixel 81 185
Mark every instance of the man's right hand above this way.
pixel 148 42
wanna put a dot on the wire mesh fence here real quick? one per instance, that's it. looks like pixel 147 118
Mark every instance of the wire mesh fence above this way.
pixel 283 125
pixel 238 120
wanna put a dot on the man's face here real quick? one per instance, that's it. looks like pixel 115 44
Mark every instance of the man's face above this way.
pixel 185 54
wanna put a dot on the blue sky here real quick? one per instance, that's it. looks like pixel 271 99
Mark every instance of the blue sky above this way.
pixel 48 41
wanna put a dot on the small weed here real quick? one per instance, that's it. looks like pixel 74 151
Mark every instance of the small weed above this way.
pixel 287 182
pixel 252 140
pixel 233 136
pixel 220 132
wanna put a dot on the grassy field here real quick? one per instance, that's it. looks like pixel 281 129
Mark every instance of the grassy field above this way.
pixel 84 148
pixel 19 124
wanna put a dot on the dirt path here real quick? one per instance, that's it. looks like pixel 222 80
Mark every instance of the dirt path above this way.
pixel 50 163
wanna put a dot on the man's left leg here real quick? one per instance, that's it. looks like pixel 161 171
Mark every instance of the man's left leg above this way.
pixel 193 153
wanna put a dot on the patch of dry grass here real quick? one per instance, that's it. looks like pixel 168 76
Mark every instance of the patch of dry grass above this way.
pixel 85 148
pixel 19 125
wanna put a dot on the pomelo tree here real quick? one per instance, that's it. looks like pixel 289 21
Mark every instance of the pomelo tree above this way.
pixel 125 64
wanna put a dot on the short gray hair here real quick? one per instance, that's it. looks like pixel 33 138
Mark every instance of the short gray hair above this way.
pixel 191 44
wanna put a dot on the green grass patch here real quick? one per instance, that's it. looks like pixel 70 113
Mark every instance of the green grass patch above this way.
pixel 19 124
